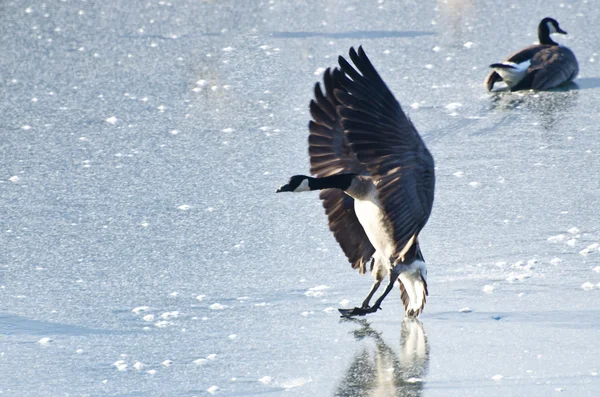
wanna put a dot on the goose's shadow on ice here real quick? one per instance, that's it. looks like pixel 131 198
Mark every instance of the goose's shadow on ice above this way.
pixel 586 83
pixel 377 369
pixel 359 34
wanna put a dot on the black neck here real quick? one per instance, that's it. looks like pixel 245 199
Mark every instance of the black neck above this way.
pixel 544 35
pixel 340 181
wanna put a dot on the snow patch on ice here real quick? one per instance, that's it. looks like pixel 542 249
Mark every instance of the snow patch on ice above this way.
pixel 488 289
pixel 217 306
pixel 316 291
pixel 293 383
pixel 139 365
pixel 344 302
pixel 497 377
pixel 140 309
pixel 169 315
pixel 112 120
pixel 121 365
pixel 587 286
pixel 45 341
pixel 453 105
pixel 213 389
pixel 465 310
pixel 265 380
pixel 559 238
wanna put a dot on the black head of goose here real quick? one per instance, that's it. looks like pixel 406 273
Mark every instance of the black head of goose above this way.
pixel 376 178
pixel 539 66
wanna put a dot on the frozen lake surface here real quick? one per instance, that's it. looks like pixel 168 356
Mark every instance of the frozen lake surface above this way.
pixel 144 252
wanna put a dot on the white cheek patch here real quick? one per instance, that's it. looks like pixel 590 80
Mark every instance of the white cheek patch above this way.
pixel 303 186
pixel 551 28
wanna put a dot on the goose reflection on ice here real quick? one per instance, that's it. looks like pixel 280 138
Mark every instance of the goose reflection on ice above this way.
pixel 378 371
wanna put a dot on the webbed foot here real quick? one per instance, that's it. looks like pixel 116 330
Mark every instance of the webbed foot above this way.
pixel 358 311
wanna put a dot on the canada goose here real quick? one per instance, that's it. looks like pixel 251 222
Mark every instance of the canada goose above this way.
pixel 376 176
pixel 539 66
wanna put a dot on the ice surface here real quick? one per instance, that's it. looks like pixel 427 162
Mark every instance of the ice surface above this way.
pixel 88 237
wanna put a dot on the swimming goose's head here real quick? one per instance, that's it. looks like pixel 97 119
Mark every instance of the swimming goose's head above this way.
pixel 547 27
pixel 297 183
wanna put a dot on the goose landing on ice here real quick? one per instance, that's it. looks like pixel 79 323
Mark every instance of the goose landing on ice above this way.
pixel 376 179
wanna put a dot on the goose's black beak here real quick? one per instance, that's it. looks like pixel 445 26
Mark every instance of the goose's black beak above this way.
pixel 559 30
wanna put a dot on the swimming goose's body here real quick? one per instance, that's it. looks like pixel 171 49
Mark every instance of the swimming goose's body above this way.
pixel 539 66
pixel 376 178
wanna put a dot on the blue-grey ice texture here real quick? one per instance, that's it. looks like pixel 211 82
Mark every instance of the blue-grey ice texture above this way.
pixel 144 252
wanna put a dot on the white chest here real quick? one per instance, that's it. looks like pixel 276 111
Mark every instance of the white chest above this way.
pixel 373 220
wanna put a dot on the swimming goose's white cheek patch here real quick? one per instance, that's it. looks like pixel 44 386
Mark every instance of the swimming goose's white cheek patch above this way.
pixel 303 186
pixel 551 27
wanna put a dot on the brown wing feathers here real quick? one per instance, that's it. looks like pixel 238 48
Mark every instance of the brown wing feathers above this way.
pixel 330 154
pixel 387 143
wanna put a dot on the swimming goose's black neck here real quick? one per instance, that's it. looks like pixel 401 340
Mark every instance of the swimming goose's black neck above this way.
pixel 340 181
pixel 544 33
pixel 544 36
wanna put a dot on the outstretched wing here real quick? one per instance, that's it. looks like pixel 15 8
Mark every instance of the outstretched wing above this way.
pixel 330 154
pixel 388 144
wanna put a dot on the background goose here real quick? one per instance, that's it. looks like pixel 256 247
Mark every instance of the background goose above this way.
pixel 376 176
pixel 540 66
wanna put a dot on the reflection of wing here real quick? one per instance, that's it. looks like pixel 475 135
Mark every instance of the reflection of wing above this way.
pixel 388 144
pixel 378 371
pixel 330 154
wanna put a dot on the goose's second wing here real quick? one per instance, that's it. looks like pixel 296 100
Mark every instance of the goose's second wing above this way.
pixel 330 154
pixel 553 67
pixel 386 141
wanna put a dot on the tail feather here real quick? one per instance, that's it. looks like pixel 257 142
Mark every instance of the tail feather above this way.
pixel 413 292
pixel 504 65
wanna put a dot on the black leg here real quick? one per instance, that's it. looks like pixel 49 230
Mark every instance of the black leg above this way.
pixel 371 293
pixel 365 309
pixel 393 278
